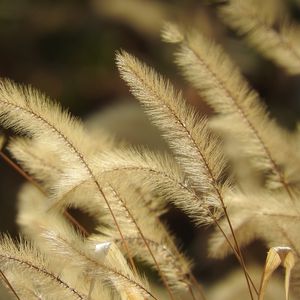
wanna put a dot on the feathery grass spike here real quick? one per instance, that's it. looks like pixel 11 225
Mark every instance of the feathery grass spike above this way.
pixel 176 269
pixel 125 191
pixel 282 47
pixel 158 173
pixel 23 258
pixel 135 220
pixel 241 114
pixel 37 159
pixel 27 111
pixel 56 238
pixel 196 150
pixel 259 215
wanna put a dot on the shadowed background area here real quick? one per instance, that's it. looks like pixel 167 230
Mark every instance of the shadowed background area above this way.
pixel 67 50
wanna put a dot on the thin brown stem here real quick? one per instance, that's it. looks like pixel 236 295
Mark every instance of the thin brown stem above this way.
pixel 43 271
pixel 219 194
pixel 242 261
pixel 223 206
pixel 192 293
pixel 202 157
pixel 20 171
pixel 245 118
pixel 239 252
pixel 66 214
pixel 78 154
pixel 197 285
pixel 126 245
pixel 9 284
pixel 76 223
pixel 165 282
pixel 196 197
pixel 190 274
pixel 38 186
pixel 235 252
pixel 176 252
pixel 108 268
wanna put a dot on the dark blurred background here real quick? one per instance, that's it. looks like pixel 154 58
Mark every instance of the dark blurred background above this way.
pixel 67 49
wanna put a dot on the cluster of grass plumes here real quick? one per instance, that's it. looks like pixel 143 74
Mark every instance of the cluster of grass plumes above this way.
pixel 126 190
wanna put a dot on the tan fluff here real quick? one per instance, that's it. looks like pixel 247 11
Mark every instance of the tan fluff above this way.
pixel 282 46
pixel 187 135
pixel 37 159
pixel 254 216
pixel 92 213
pixel 148 240
pixel 241 114
pixel 154 171
pixel 45 164
pixel 269 217
pixel 83 258
pixel 67 135
pixel 24 259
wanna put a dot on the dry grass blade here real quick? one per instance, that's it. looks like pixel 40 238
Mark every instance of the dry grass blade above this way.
pixel 277 256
